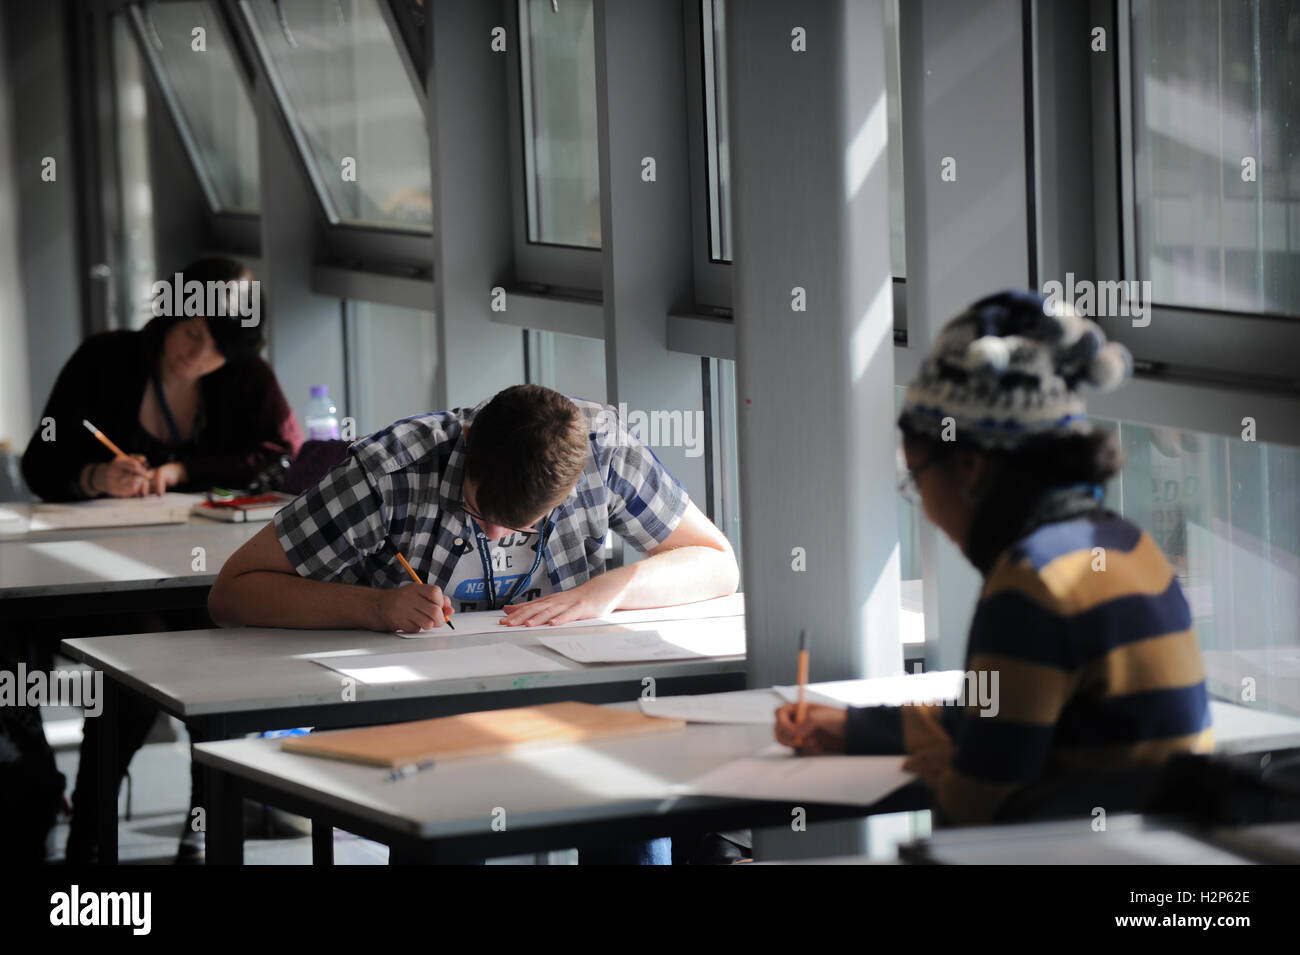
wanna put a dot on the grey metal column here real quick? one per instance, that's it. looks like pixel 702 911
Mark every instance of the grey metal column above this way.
pixel 966 178
pixel 645 226
pixel 471 203
pixel 810 204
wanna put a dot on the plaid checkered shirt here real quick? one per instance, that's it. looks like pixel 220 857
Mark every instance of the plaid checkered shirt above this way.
pixel 400 490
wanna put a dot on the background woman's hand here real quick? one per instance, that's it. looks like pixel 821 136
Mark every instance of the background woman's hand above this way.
pixel 166 476
pixel 822 730
pixel 121 477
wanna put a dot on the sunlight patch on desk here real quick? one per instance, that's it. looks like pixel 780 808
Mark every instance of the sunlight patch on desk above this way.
pixel 100 562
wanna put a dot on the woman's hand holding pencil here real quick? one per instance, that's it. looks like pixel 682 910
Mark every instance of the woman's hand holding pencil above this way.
pixel 820 731
pixel 127 475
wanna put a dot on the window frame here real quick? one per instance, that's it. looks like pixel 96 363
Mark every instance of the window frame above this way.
pixel 232 230
pixel 540 265
pixel 359 246
pixel 1248 350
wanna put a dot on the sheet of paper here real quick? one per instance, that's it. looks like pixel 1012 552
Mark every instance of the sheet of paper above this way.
pixel 679 640
pixel 494 659
pixel 742 706
pixel 882 691
pixel 488 621
pixel 775 772
pixel 169 508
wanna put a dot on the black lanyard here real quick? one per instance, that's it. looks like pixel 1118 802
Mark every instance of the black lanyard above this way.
pixel 167 413
pixel 485 557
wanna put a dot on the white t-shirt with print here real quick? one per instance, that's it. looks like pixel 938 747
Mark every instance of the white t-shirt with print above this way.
pixel 512 557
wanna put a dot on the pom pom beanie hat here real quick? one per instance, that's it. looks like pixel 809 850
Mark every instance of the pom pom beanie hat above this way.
pixel 1008 369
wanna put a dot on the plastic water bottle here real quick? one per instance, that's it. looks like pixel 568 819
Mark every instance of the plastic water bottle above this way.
pixel 322 416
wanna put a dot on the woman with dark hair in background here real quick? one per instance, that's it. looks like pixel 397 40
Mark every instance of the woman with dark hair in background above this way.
pixel 187 397
pixel 193 405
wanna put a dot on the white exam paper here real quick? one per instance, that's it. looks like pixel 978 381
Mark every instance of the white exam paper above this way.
pixel 488 621
pixel 742 706
pixel 776 773
pixel 494 659
pixel 676 640
pixel 882 691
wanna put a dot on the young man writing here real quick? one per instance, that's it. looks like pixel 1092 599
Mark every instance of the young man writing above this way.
pixel 504 506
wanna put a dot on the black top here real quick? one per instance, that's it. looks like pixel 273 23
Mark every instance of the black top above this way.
pixel 246 422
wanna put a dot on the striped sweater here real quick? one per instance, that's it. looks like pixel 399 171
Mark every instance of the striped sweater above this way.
pixel 1097 668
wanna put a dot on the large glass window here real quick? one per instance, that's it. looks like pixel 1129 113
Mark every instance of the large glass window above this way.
pixel 718 144
pixel 192 59
pixel 570 364
pixel 1226 513
pixel 391 363
pixel 1216 152
pixel 337 72
pixel 561 162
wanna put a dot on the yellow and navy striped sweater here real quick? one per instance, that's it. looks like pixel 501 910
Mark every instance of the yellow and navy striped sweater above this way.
pixel 1097 669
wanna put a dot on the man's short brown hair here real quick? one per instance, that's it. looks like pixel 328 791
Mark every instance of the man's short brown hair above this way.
pixel 526 451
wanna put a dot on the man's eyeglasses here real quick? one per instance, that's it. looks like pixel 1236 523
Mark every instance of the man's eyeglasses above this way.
pixel 483 522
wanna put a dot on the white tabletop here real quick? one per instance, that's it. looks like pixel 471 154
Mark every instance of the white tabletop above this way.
pixel 198 672
pixel 551 785
pixel 63 563
pixel 1126 840
pixel 543 786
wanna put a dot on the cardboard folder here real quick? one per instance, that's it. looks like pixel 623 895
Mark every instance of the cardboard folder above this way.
pixel 488 733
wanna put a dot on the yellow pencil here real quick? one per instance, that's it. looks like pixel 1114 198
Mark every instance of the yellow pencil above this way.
pixel 103 439
pixel 416 577
pixel 801 711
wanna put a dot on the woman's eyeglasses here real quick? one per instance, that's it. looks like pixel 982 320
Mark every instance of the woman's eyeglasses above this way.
pixel 907 481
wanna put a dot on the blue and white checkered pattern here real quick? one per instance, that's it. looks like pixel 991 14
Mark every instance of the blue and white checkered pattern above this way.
pixel 400 490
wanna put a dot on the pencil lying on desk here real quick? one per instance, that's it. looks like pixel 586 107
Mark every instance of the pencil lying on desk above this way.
pixel 416 577
pixel 103 439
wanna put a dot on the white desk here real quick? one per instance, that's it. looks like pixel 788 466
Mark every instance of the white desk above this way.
pixel 553 797
pixel 58 564
pixel 226 682
pixel 1129 839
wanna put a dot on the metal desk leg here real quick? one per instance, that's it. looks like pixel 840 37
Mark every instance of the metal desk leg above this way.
pixel 322 843
pixel 225 822
pixel 106 775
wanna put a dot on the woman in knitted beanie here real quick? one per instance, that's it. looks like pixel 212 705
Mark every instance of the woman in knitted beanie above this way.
pixel 1081 631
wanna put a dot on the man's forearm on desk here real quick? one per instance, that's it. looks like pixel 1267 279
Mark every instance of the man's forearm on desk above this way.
pixel 266 598
pixel 682 575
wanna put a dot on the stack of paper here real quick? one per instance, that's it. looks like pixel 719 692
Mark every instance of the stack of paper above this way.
pixel 169 508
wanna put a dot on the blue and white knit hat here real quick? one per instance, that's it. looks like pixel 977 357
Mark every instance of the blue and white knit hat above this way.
pixel 1008 369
